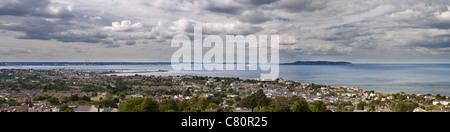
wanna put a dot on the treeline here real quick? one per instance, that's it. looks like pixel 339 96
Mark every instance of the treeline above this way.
pixel 170 105
pixel 107 101
pixel 260 102
pixel 257 102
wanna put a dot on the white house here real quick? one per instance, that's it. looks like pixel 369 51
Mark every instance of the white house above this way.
pixel 441 102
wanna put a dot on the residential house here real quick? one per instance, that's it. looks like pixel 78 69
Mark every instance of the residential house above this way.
pixel 91 108
pixel 239 109
pixel 109 110
pixel 213 110
pixel 14 109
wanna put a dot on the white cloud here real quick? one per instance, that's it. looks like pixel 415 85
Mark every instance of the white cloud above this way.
pixel 444 15
pixel 306 27
pixel 124 26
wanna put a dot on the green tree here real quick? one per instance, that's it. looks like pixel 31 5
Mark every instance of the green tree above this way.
pixel 109 96
pixel 403 106
pixel 261 99
pixel 439 97
pixel 85 98
pixel 131 105
pixel 41 97
pixel 248 102
pixel 202 103
pixel 168 105
pixel 122 96
pixel 108 103
pixel 53 100
pixel 149 105
pixel 213 106
pixel 282 104
pixel 301 106
pixel 64 99
pixel 258 99
pixel 74 98
pixel 319 106
pixel 63 107
pixel 361 105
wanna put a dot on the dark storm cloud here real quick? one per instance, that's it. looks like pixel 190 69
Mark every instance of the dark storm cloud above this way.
pixel 36 29
pixel 35 8
pixel 434 42
pixel 228 9
pixel 130 43
pixel 439 24
pixel 256 2
pixel 109 44
pixel 235 7
pixel 294 6
pixel 344 34
pixel 81 37
pixel 39 29
pixel 44 20
pixel 306 27
pixel 255 17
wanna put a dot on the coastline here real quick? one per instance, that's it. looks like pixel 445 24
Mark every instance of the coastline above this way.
pixel 93 84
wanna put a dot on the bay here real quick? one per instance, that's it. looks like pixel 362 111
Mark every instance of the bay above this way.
pixel 386 78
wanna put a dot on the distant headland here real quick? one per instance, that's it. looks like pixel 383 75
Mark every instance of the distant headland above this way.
pixel 318 63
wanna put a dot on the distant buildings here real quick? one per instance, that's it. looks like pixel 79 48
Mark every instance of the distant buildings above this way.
pixel 108 110
pixel 91 108
pixel 213 110
pixel 239 109
pixel 14 109
pixel 436 102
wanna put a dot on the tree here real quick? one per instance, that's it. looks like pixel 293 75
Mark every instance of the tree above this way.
pixel 74 98
pixel 404 106
pixel 282 104
pixel 237 99
pixel 258 99
pixel 109 96
pixel 213 106
pixel 301 106
pixel 361 105
pixel 63 107
pixel 64 99
pixel 184 106
pixel 261 98
pixel 202 103
pixel 168 105
pixel 53 100
pixel 439 97
pixel 85 98
pixel 41 97
pixel 131 105
pixel 112 103
pixel 149 105
pixel 248 102
pixel 122 96
pixel 319 106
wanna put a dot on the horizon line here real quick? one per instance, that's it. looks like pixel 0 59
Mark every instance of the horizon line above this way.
pixel 223 62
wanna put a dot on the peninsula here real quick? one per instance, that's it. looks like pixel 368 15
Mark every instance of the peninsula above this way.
pixel 318 63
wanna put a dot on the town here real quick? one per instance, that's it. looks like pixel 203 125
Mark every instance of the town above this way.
pixel 68 90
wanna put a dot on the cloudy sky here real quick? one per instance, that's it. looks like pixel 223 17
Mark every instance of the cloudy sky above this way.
pixel 377 31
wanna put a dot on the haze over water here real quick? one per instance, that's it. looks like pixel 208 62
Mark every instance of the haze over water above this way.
pixel 386 78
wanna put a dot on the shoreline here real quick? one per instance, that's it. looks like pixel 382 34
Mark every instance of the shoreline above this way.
pixel 133 72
